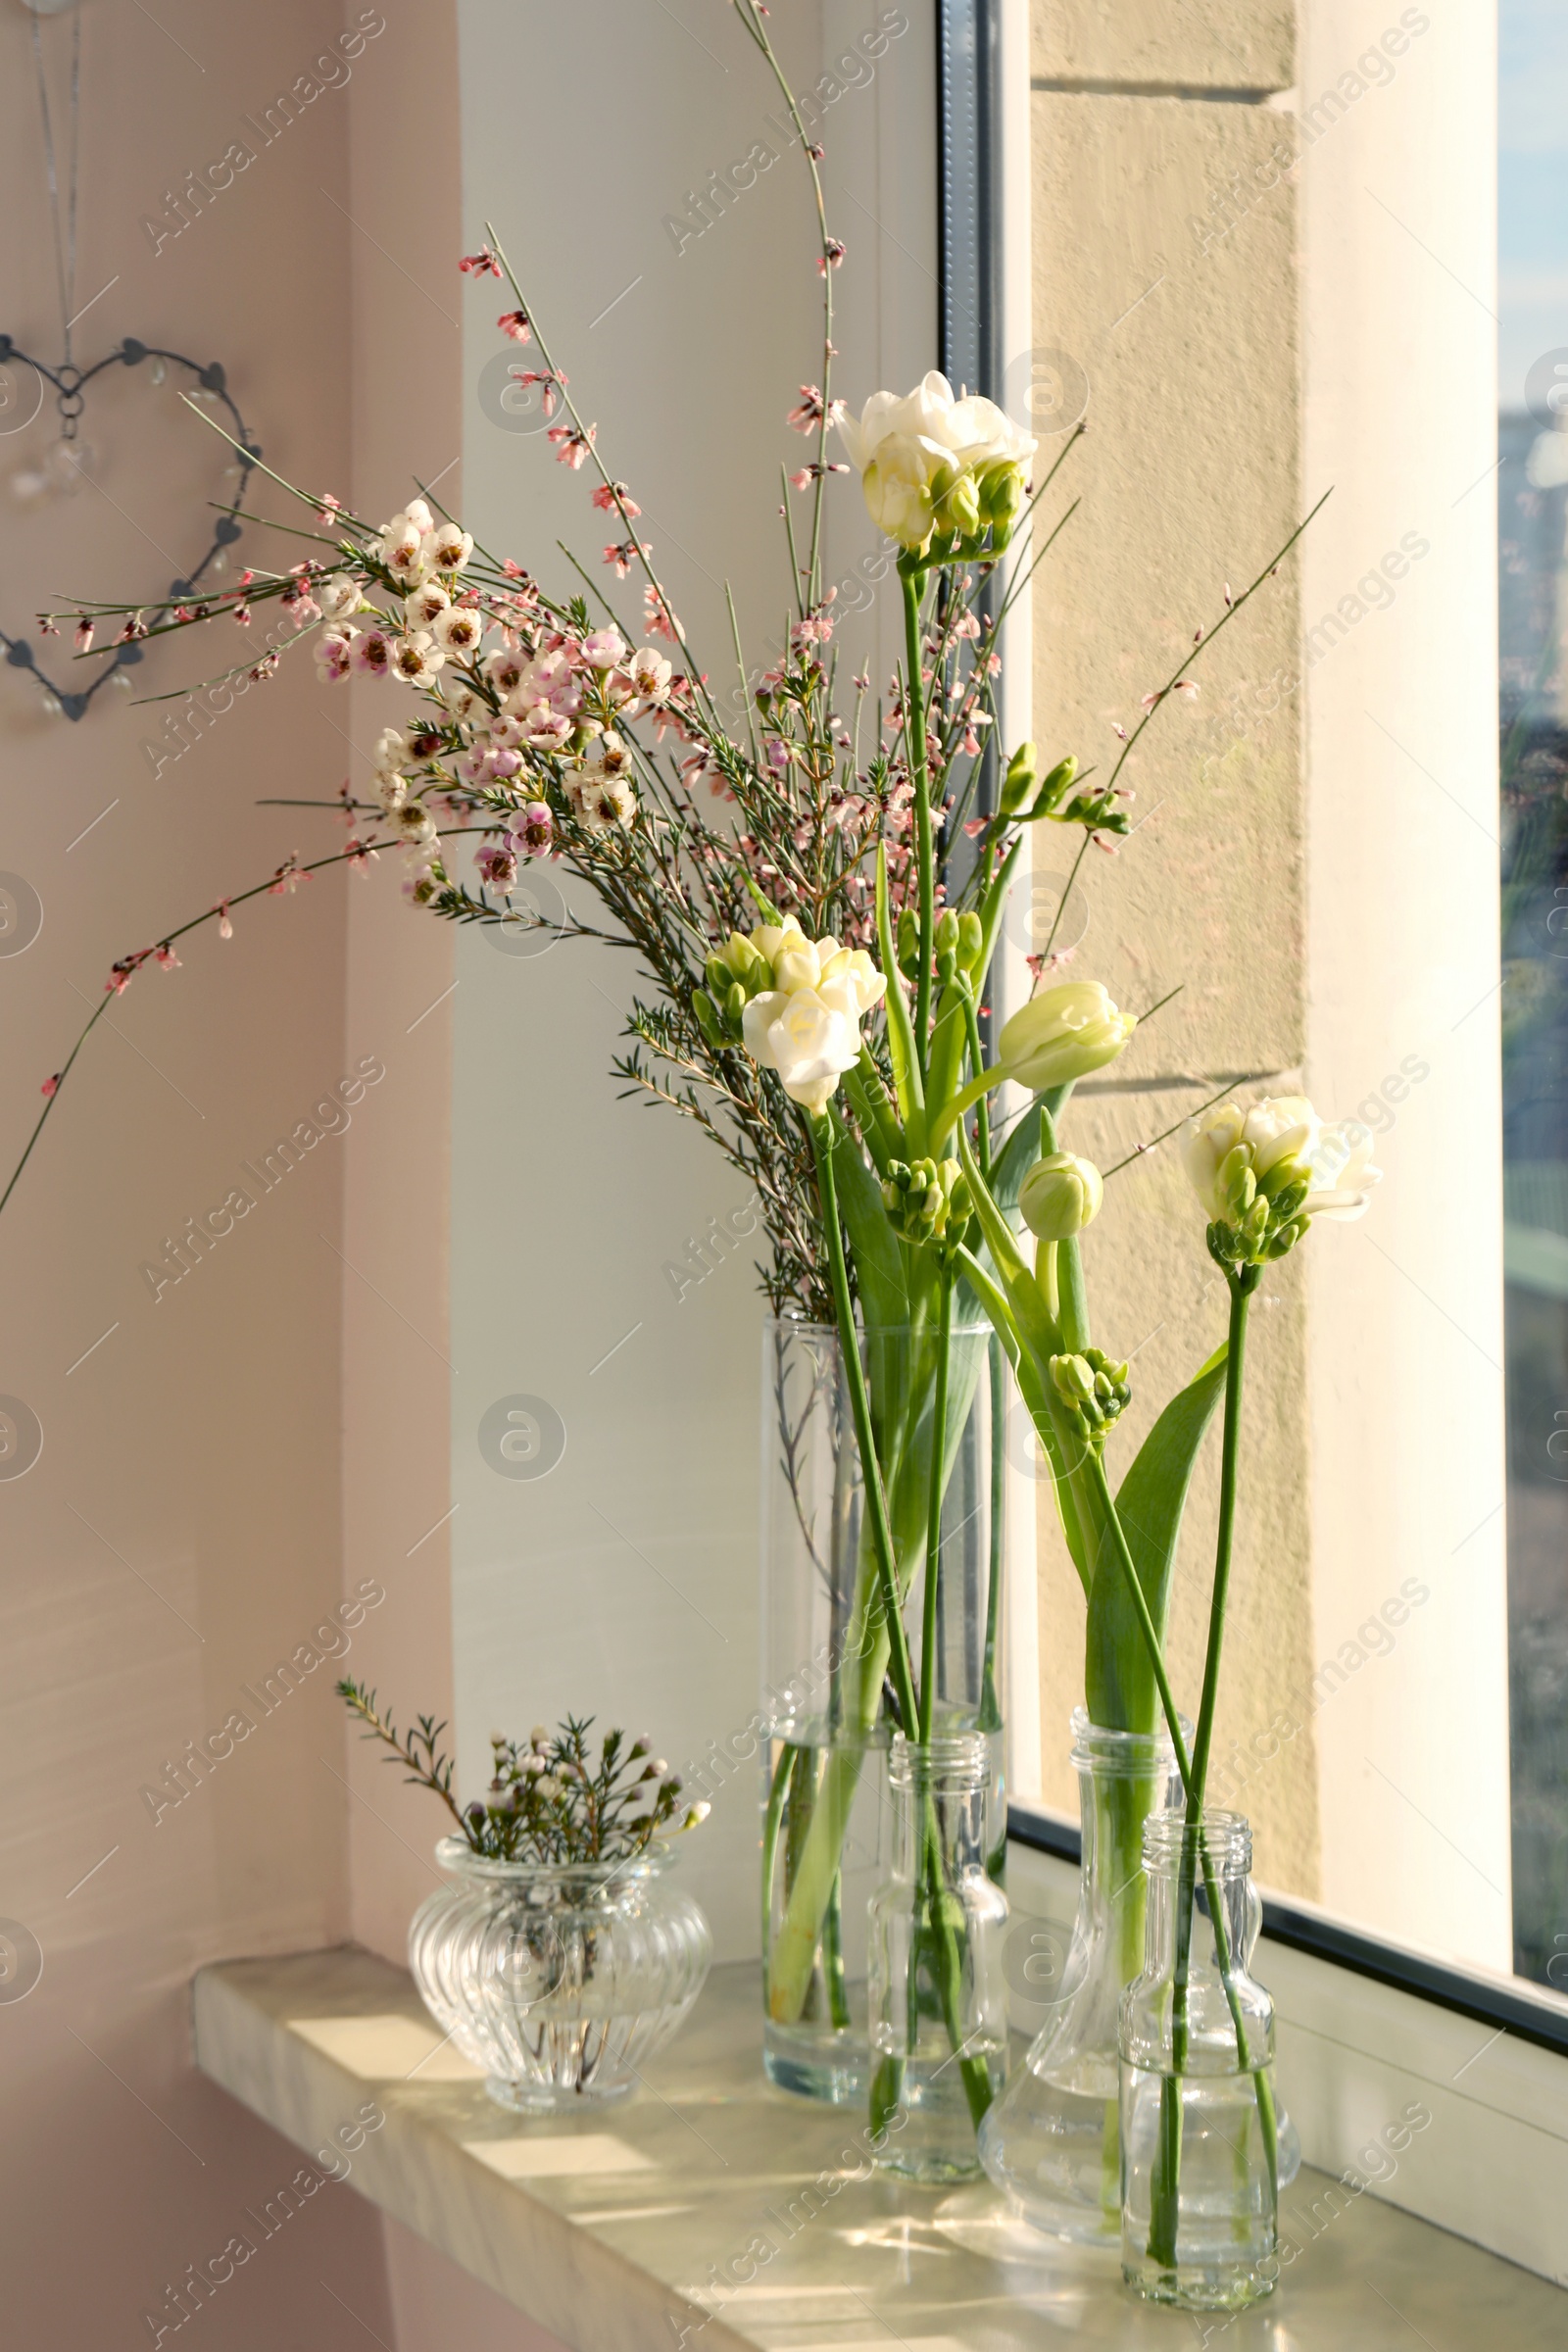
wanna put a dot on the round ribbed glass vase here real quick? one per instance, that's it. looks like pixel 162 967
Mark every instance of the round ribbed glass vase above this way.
pixel 825 1799
pixel 559 1979
pixel 938 1999
pixel 1051 2142
pixel 1198 2116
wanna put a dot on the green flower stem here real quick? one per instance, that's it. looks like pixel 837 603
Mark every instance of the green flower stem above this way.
pixel 913 585
pixel 1165 2203
pixel 778 1788
pixel 933 1535
pixel 990 1697
pixel 822 1139
pixel 948 1965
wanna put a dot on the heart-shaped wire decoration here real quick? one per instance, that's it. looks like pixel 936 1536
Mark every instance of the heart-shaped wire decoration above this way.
pixel 71 385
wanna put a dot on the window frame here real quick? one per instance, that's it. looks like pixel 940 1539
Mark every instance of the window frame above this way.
pixel 983 196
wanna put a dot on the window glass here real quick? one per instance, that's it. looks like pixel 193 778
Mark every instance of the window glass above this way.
pixel 1532 613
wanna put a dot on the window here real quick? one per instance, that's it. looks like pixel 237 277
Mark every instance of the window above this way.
pixel 1533 618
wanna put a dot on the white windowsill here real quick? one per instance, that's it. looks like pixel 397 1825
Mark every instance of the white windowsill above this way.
pixel 614 2228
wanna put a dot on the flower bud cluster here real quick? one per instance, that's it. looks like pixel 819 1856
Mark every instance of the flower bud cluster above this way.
pixel 1263 1218
pixel 960 944
pixel 928 1202
pixel 1026 799
pixel 1095 1391
pixel 1264 1175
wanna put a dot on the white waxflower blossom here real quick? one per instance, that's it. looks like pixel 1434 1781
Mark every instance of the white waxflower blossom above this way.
pixel 458 631
pixel 392 750
pixel 338 596
pixel 416 659
pixel 505 668
pixel 604 799
pixel 414 822
pixel 650 673
pixel 447 547
pixel 423 605
pixel 402 549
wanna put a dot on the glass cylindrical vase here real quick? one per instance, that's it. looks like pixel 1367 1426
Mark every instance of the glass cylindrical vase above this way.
pixel 559 1979
pixel 1051 2142
pixel 825 1656
pixel 1200 2129
pixel 937 2002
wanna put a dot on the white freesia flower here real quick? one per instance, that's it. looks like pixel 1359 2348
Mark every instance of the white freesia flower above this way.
pixel 338 596
pixel 810 1036
pixel 911 450
pixel 798 962
pixel 1063 1033
pixel 1337 1162
pixel 1342 1174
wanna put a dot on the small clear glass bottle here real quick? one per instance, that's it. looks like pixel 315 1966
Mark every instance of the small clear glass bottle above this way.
pixel 938 2001
pixel 1199 2132
pixel 1051 2143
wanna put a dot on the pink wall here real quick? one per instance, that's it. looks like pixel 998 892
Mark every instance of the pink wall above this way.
pixel 270 1432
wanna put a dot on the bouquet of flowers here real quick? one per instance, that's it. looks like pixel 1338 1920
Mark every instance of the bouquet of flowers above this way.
pixel 813 891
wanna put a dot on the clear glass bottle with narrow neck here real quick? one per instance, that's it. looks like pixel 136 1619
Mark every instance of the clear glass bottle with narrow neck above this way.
pixel 1200 2129
pixel 938 2001
pixel 1051 2143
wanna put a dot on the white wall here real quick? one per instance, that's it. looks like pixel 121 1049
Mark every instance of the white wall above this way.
pixel 624 1582
pixel 1400 195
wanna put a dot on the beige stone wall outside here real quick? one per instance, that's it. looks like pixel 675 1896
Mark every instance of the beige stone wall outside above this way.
pixel 1164 237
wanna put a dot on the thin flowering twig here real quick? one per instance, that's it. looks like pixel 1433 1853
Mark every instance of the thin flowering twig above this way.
pixel 1142 1151
pixel 1233 606
pixel 831 254
pixel 611 486
pixel 127 967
